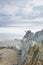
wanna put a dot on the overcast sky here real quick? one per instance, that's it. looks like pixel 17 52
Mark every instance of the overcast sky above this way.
pixel 21 15
pixel 21 11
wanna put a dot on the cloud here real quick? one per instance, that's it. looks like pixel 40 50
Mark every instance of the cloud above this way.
pixel 14 12
pixel 38 8
pixel 18 16
pixel 9 10
pixel 37 2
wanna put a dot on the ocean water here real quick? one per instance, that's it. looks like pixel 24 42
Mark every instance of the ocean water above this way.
pixel 7 36
pixel 11 33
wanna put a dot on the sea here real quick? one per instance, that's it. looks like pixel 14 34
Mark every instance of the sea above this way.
pixel 11 33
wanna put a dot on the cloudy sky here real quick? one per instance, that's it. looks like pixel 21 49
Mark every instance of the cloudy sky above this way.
pixel 21 15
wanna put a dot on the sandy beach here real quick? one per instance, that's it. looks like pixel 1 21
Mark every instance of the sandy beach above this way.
pixel 9 56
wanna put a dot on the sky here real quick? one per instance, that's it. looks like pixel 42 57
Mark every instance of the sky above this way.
pixel 17 16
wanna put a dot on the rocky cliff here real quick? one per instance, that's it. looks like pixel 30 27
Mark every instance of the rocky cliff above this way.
pixel 31 50
pixel 36 56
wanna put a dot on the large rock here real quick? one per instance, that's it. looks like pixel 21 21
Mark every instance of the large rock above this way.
pixel 32 56
pixel 28 36
pixel 38 36
pixel 35 56
pixel 9 57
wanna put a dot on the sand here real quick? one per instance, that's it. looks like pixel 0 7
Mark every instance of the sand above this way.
pixel 9 56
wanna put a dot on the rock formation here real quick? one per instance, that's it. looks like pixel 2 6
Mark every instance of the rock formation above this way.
pixel 38 38
pixel 31 52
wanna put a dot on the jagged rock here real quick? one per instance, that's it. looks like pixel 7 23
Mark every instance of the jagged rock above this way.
pixel 16 48
pixel 41 52
pixel 31 52
pixel 38 36
pixel 25 50
pixel 32 56
pixel 28 36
